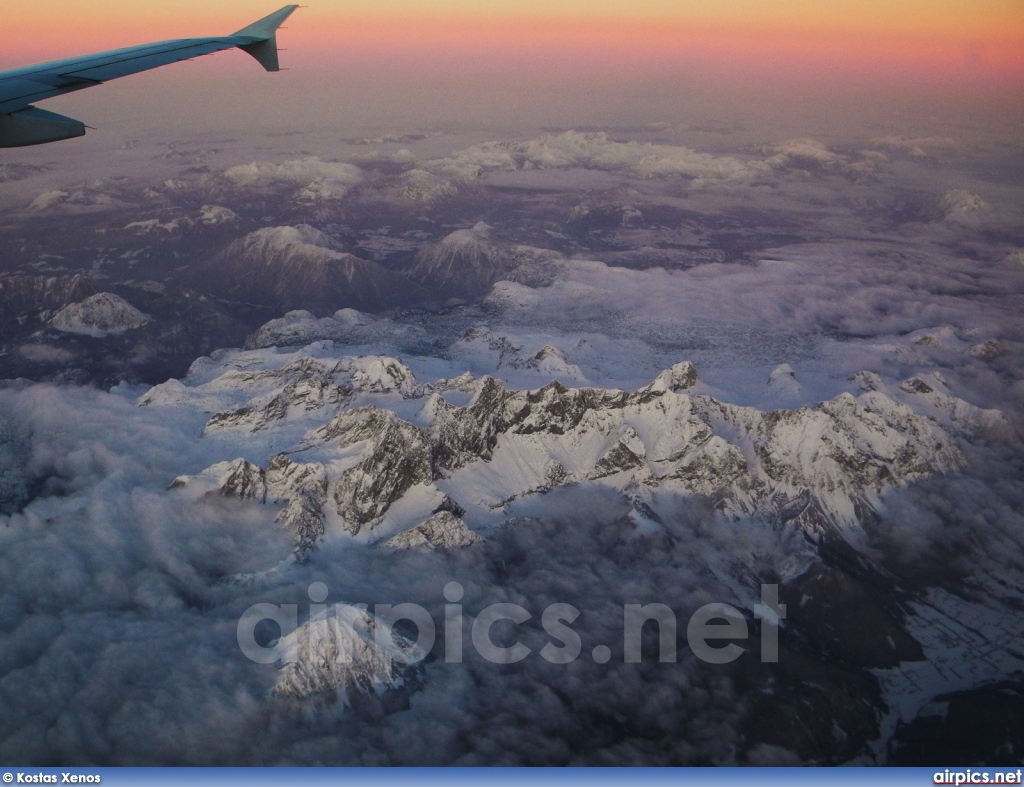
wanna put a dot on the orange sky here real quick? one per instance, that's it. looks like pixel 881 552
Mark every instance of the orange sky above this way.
pixel 956 18
pixel 812 39
pixel 546 61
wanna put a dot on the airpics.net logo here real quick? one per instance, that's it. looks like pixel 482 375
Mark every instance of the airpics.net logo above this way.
pixel 969 776
pixel 715 633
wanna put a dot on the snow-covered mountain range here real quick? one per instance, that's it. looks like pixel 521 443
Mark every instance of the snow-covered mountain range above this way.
pixel 658 364
pixel 370 451
pixel 362 449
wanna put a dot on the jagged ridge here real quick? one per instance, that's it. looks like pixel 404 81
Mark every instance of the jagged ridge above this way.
pixel 822 467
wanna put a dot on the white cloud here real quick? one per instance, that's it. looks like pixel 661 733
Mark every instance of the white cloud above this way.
pixel 917 146
pixel 77 198
pixel 595 151
pixel 960 205
pixel 319 180
pixel 797 151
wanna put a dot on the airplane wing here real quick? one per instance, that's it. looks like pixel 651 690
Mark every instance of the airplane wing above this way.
pixel 23 124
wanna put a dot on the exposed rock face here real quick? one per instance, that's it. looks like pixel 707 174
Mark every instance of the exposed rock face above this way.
pixel 627 454
pixel 819 468
pixel 443 530
pixel 987 350
pixel 246 481
pixel 99 315
pixel 343 652
pixel 302 268
pixel 395 458
pixel 300 487
pixel 304 395
pixel 304 488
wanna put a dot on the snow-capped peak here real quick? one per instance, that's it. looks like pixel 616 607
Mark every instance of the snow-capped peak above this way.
pixel 99 315
pixel 341 651
pixel 277 239
pixel 216 214
pixel 681 377
pixel 552 362
pixel 783 382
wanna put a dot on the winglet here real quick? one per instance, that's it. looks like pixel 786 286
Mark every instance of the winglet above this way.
pixel 264 48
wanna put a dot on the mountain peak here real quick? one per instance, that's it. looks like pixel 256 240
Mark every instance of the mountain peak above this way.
pixel 443 530
pixel 464 263
pixel 284 236
pixel 552 362
pixel 783 382
pixel 680 377
pixel 99 315
pixel 302 267
pixel 342 653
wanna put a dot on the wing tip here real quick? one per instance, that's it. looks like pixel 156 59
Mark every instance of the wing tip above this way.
pixel 266 27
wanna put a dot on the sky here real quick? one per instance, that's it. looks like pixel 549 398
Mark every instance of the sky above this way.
pixel 564 63
pixel 981 36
